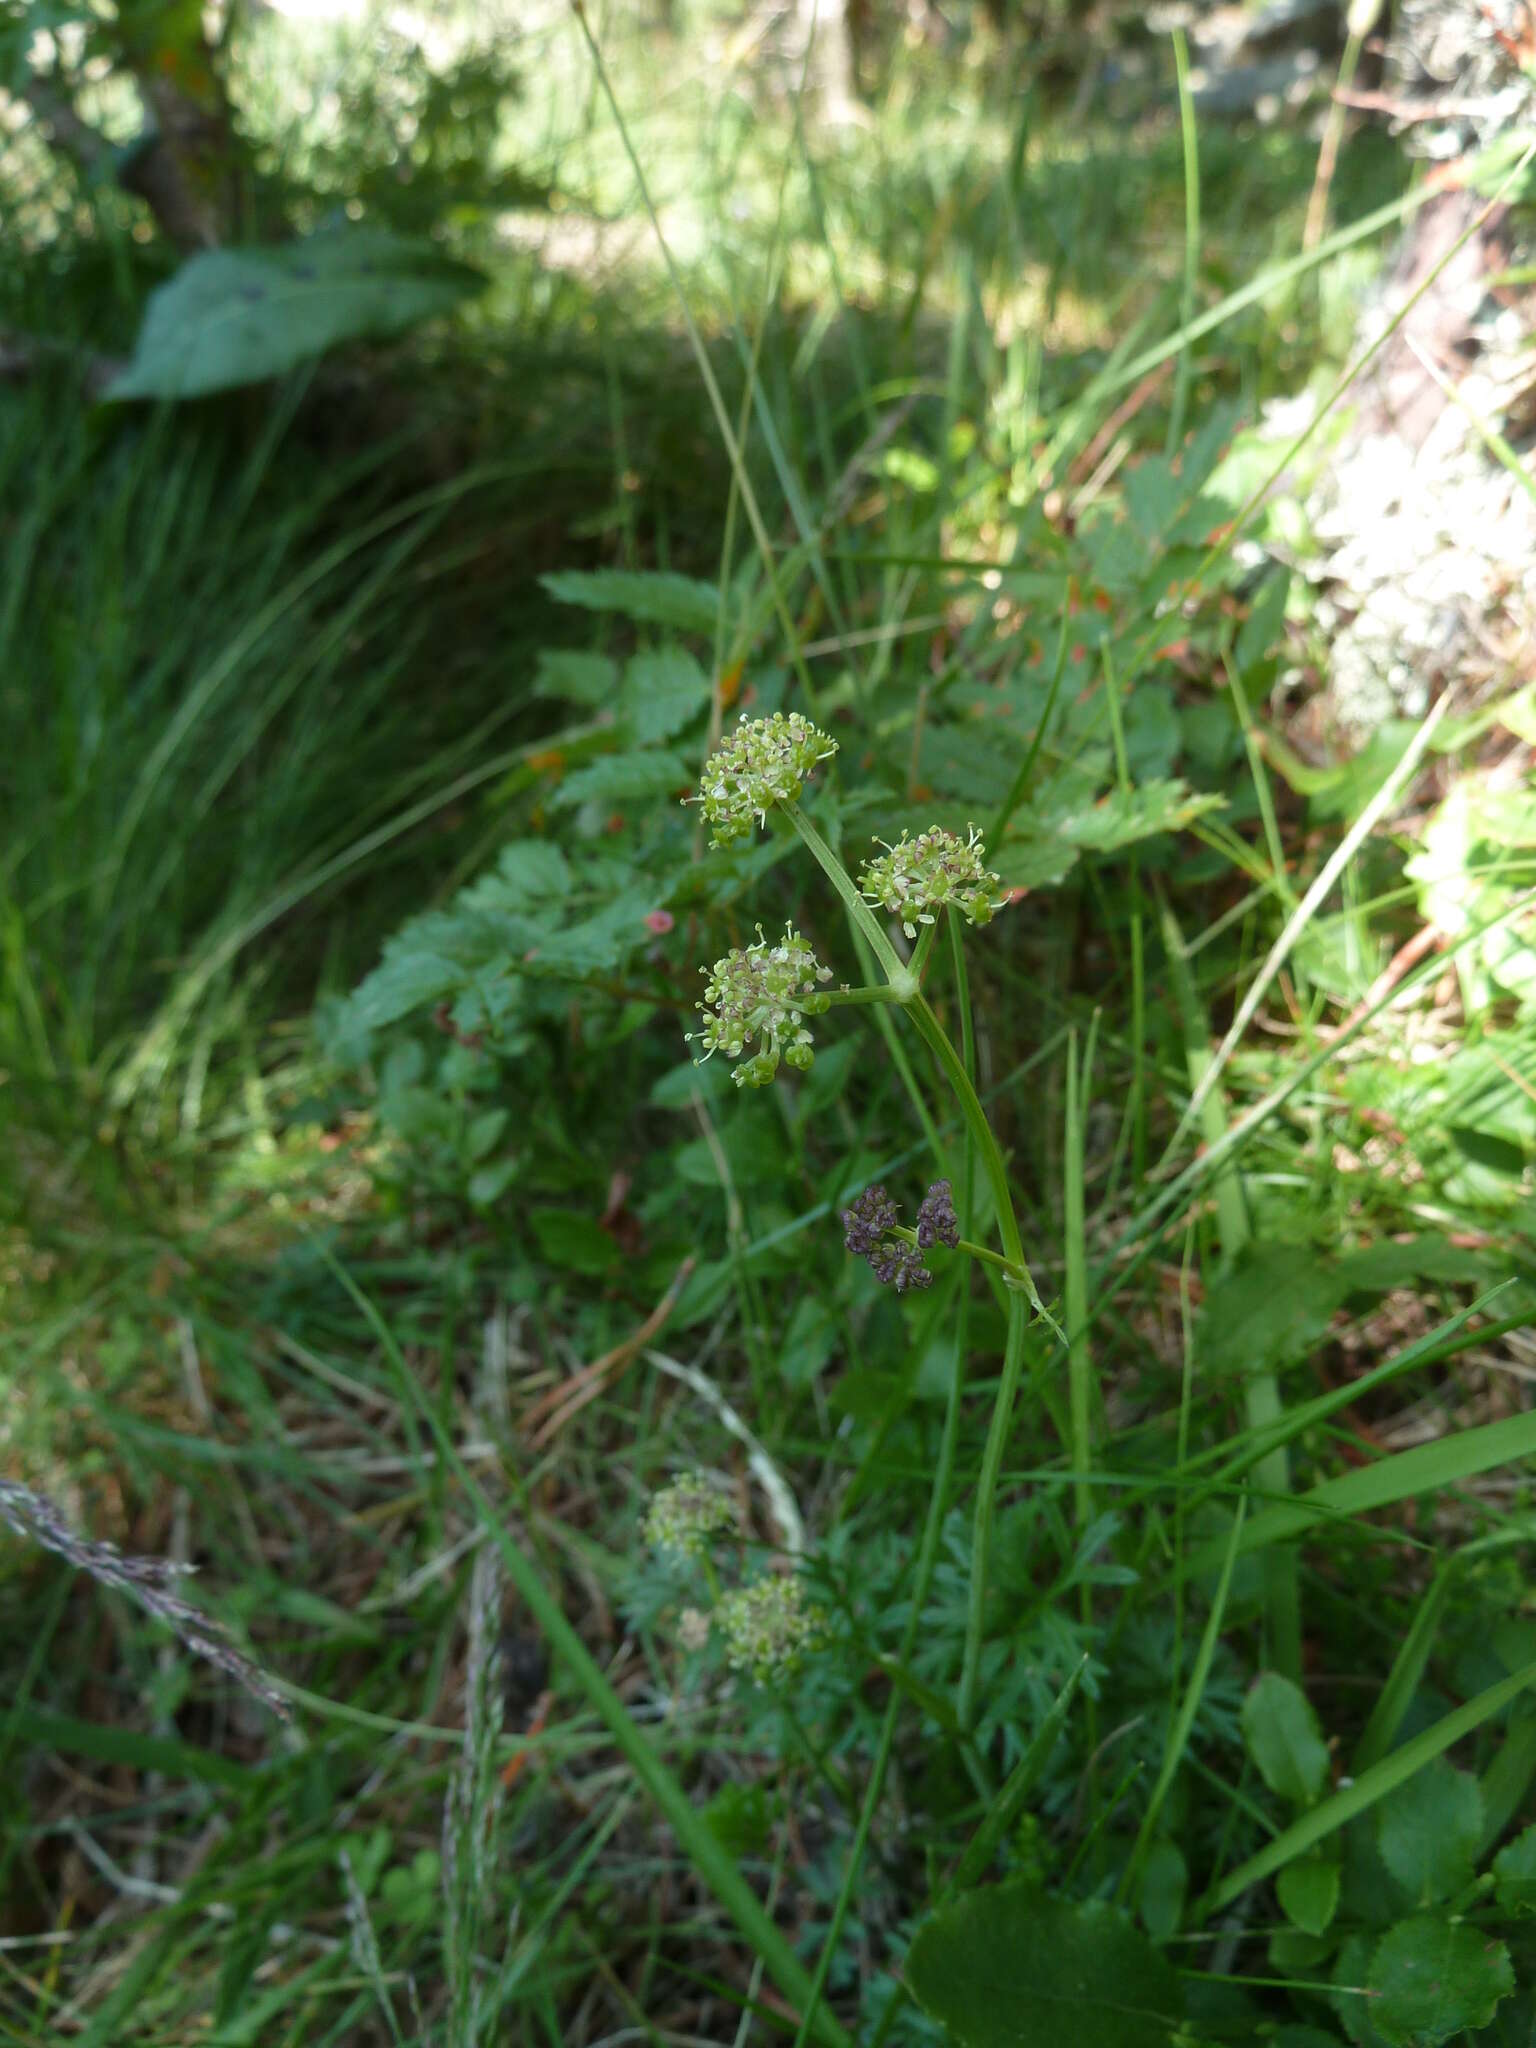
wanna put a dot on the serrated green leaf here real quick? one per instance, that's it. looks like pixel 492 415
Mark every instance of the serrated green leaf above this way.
pixel 654 597
pixel 529 870
pixel 1284 1740
pixel 1434 1978
pixel 651 777
pixel 1033 863
pixel 1008 1967
pixel 236 316
pixel 1514 1874
pixel 1309 1893
pixel 1127 815
pixel 1428 1831
pixel 661 693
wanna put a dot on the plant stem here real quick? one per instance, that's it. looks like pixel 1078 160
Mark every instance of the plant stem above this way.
pixel 979 1133
pixel 896 972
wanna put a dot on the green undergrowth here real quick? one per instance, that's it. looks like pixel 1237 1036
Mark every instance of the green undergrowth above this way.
pixel 375 1241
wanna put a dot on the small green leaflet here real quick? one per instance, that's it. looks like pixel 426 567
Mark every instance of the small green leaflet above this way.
pixel 652 597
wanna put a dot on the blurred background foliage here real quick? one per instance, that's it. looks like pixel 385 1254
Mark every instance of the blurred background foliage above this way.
pixel 375 578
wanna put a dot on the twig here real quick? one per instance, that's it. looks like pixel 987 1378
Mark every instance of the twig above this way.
pixel 1402 962
pixel 552 1411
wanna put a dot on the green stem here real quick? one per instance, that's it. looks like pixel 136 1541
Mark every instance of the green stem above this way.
pixel 928 1553
pixel 896 972
pixel 846 998
pixel 979 1133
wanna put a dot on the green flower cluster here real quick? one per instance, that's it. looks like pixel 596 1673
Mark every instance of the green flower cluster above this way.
pixel 768 1626
pixel 765 761
pixel 765 992
pixel 916 877
pixel 686 1514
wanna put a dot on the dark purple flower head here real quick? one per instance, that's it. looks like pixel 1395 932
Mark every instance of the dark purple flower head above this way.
pixel 936 1219
pixel 871 1216
pixel 868 1228
pixel 900 1265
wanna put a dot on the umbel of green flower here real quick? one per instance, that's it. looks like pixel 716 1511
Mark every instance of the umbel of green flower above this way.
pixel 764 993
pixel 686 1514
pixel 916 877
pixel 765 761
pixel 767 1627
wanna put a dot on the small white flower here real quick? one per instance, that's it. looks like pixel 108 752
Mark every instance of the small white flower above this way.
pixel 686 1514
pixel 768 1627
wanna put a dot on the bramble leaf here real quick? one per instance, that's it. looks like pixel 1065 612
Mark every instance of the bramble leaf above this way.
pixel 1007 1967
pixel 1435 1978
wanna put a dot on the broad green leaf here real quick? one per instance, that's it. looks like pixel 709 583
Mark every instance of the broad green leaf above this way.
pixel 596 943
pixel 234 316
pixel 485 1131
pixel 1366 1791
pixel 661 693
pixel 1284 1740
pixel 677 1087
pixel 647 778
pixel 654 597
pixel 1153 734
pixel 1514 1874
pixel 808 1342
pixel 1428 1832
pixel 1269 1310
pixel 1435 1978
pixel 1309 1893
pixel 1164 1886
pixel 1007 1967
pixel 572 1241
pixel 573 677
pixel 487 1184
pixel 530 869
pixel 1353 2001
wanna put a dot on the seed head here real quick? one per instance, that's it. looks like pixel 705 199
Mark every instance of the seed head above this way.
pixel 686 1514
pixel 868 1231
pixel 765 992
pixel 768 1626
pixel 765 761
pixel 937 1222
pixel 916 877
